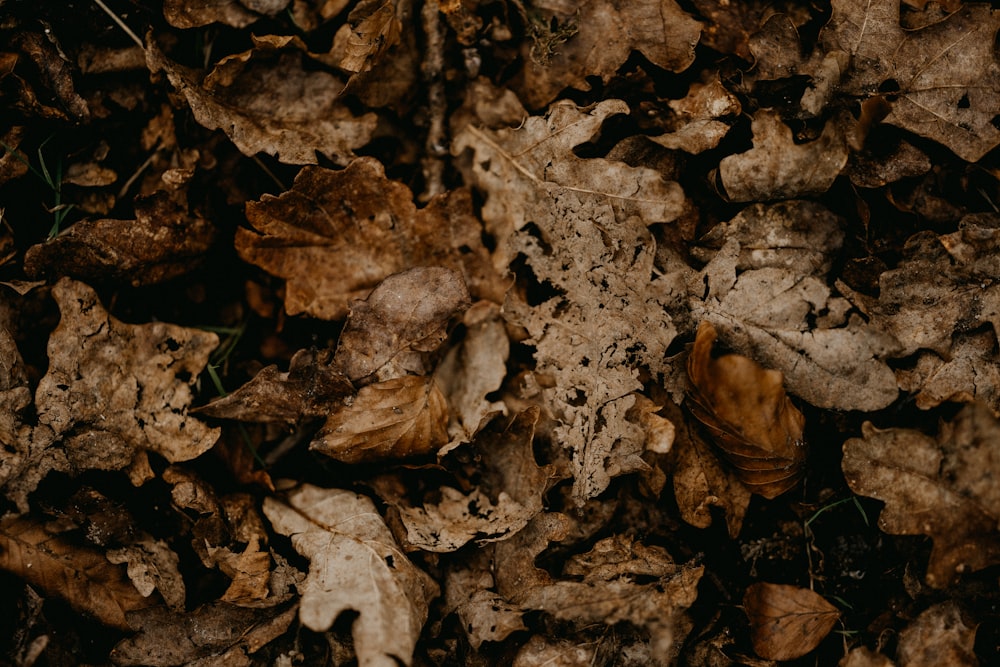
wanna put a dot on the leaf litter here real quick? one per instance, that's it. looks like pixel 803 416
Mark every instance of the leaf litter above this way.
pixel 559 325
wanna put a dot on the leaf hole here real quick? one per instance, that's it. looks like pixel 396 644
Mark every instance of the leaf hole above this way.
pixel 995 121
pixel 390 562
pixel 964 102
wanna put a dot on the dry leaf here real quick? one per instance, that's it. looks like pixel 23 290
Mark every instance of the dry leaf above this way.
pixel 336 234
pixel 786 622
pixel 114 390
pixel 408 313
pixel 778 168
pixel 354 565
pixel 163 242
pixel 485 616
pixel 406 416
pixel 971 371
pixel 865 657
pixel 595 37
pixel 698 128
pixel 944 487
pixel 749 416
pixel 267 101
pixel 81 576
pixel 152 565
pixel 372 28
pixel 196 13
pixel 939 636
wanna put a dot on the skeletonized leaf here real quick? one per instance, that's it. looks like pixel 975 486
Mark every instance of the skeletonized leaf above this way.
pixel 786 622
pixel 354 565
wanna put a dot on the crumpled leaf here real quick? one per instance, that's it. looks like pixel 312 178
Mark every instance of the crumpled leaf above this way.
pixel 944 487
pixel 354 564
pixel 267 101
pixel 750 418
pixel 163 242
pixel 405 416
pixel 587 241
pixel 698 126
pixel 81 576
pixel 336 234
pixel 218 634
pixel 406 314
pixel 786 622
pixel 484 614
pixel 152 565
pixel 938 636
pixel 778 168
pixel 597 37
pixel 862 656
pixel 971 371
pixel 372 28
pixel 233 13
pixel 114 390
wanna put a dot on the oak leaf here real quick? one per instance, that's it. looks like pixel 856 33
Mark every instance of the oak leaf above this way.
pixel 697 125
pixel 940 635
pixel 944 487
pixel 786 622
pixel 354 565
pixel 970 371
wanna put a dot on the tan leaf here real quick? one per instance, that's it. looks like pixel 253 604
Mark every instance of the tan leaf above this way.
pixel 406 313
pixel 267 101
pixel 971 371
pixel 406 416
pixel 113 390
pixel 938 636
pixel 354 565
pixel 778 168
pixel 863 656
pixel 787 622
pixel 944 487
pixel 336 234
pixel 698 126
pixel 372 28
pixel 484 614
pixel 196 13
pixel 163 242
pixel 597 36
pixel 152 565
pixel 748 415
pixel 81 576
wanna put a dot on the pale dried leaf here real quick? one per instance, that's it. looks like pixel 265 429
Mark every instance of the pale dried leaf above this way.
pixel 354 565
pixel 697 126
pixel 938 636
pixel 152 565
pixel 786 622
pixel 485 615
pixel 863 656
pixel 945 487
pixel 406 416
pixel 971 371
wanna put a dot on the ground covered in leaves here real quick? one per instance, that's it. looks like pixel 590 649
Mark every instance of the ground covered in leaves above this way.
pixel 491 332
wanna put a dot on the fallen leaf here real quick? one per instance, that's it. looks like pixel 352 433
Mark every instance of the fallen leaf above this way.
pixel 152 565
pixel 267 101
pixel 115 390
pixel 163 242
pixel 405 416
pixel 787 622
pixel 863 656
pixel 778 168
pixel 698 127
pixel 336 234
pixel 484 614
pixel 970 372
pixel 372 28
pixel 354 565
pixel 943 487
pixel 750 418
pixel 405 315
pixel 188 14
pixel 554 652
pixel 81 576
pixel 868 169
pixel 938 636
pixel 596 38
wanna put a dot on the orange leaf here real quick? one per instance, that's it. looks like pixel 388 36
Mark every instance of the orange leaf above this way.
pixel 786 622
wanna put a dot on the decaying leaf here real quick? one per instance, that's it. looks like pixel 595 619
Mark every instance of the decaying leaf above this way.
pixel 405 416
pixel 196 13
pixel 81 576
pixel 163 242
pixel 354 564
pixel 945 487
pixel 336 234
pixel 372 28
pixel 786 622
pixel 750 418
pixel 152 565
pixel 698 126
pixel 862 656
pixel 114 390
pixel 939 636
pixel 267 101
pixel 971 371
pixel 778 168
pixel 405 315
pixel 594 37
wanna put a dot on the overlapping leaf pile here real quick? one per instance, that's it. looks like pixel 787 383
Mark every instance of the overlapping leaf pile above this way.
pixel 516 303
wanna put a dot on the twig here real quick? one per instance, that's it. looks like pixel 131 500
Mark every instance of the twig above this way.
pixel 121 24
pixel 436 146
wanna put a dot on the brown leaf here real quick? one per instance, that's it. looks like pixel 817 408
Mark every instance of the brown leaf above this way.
pixel 778 168
pixel 939 636
pixel 596 38
pixel 406 313
pixel 749 416
pixel 863 656
pixel 163 242
pixel 336 234
pixel 113 390
pixel 372 28
pixel 81 576
pixel 787 622
pixel 267 101
pixel 698 127
pixel 406 416
pixel 152 565
pixel 944 487
pixel 354 565
pixel 196 13
pixel 971 371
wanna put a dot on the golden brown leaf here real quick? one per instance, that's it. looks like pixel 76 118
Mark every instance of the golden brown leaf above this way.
pixel 748 415
pixel 786 622
pixel 372 28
